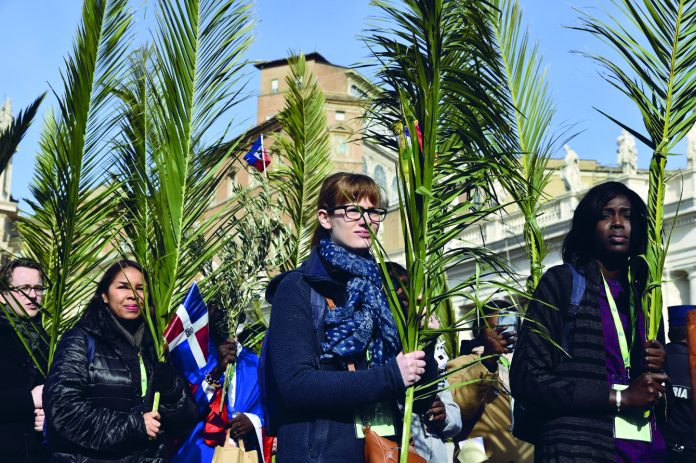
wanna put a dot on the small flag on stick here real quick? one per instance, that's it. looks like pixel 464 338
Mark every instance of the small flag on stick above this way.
pixel 257 157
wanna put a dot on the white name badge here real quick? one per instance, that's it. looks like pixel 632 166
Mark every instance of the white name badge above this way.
pixel 380 418
pixel 632 426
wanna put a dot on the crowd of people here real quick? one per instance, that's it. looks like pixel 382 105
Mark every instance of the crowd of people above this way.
pixel 575 381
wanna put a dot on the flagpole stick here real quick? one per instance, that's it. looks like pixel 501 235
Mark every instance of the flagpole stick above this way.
pixel 263 158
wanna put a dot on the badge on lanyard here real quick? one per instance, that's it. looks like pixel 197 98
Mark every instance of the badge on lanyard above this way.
pixel 630 426
pixel 380 418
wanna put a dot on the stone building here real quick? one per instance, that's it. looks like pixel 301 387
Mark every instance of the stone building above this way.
pixel 503 233
pixel 9 244
pixel 346 93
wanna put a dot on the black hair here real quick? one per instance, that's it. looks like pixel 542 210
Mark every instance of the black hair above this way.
pixel 579 244
pixel 396 271
pixel 96 303
pixel 8 268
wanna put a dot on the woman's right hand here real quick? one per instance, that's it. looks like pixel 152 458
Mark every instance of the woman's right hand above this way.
pixel 152 424
pixel 644 391
pixel 411 366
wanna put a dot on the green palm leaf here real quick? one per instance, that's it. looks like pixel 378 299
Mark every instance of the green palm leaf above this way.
pixel 68 230
pixel 190 81
pixel 439 67
pixel 304 146
pixel 656 39
pixel 12 135
pixel 531 117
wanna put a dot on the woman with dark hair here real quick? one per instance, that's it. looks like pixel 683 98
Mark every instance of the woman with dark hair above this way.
pixel 595 403
pixel 328 316
pixel 99 393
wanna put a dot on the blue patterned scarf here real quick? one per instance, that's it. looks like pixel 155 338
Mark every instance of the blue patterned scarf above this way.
pixel 365 322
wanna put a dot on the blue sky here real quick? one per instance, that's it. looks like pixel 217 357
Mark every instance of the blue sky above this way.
pixel 37 34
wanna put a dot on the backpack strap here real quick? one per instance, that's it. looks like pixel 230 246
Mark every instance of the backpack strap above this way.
pixel 318 308
pixel 90 348
pixel 577 291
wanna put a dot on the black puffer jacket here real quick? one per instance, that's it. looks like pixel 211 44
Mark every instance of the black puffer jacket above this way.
pixel 18 440
pixel 94 409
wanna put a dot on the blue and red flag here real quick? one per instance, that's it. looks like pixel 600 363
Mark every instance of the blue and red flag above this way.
pixel 189 343
pixel 257 157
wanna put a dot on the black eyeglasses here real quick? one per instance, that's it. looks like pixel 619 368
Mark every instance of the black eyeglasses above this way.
pixel 26 289
pixel 376 214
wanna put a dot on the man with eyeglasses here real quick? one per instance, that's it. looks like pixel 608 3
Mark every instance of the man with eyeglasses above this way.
pixel 21 413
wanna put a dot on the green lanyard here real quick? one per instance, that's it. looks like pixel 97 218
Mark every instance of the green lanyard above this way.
pixel 143 376
pixel 623 343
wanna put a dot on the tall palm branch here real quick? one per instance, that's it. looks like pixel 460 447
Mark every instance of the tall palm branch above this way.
pixel 190 82
pixel 68 231
pixel 655 41
pixel 532 136
pixel 12 135
pixel 304 146
pixel 438 68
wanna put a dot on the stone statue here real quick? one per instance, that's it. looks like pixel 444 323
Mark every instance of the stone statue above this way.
pixel 6 115
pixel 627 153
pixel 691 149
pixel 570 172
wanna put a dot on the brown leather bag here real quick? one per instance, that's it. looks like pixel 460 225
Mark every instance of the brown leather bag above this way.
pixel 377 448
pixel 381 450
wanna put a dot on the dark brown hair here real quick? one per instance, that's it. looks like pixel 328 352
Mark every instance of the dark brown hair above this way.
pixel 109 275
pixel 8 268
pixel 344 188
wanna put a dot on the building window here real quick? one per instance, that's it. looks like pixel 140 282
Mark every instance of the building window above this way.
pixel 365 170
pixel 341 144
pixel 394 193
pixel 381 181
pixel 274 85
pixel 357 92
pixel 340 115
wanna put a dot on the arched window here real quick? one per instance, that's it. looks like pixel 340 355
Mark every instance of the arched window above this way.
pixel 381 180
pixel 365 170
pixel 394 193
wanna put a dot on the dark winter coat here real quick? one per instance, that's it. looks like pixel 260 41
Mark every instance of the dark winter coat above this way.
pixel 574 392
pixel 19 443
pixel 316 401
pixel 94 409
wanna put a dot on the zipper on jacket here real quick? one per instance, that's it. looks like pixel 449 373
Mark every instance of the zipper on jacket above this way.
pixel 143 375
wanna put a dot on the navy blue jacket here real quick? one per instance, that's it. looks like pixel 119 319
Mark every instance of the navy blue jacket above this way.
pixel 316 401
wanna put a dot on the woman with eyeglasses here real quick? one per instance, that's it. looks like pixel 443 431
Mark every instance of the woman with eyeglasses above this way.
pixel 99 392
pixel 332 355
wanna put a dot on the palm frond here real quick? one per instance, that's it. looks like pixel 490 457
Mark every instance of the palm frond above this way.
pixel 13 134
pixel 192 80
pixel 438 66
pixel 304 146
pixel 532 140
pixel 68 232
pixel 656 44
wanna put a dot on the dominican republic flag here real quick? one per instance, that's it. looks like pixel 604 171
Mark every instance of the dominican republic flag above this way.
pixel 189 343
pixel 257 157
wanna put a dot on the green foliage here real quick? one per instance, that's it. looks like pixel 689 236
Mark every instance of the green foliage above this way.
pixel 69 231
pixel 12 135
pixel 177 90
pixel 304 146
pixel 656 44
pixel 246 260
pixel 439 69
pixel 531 115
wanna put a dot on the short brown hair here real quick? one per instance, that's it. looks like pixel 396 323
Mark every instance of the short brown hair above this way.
pixel 8 268
pixel 341 188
